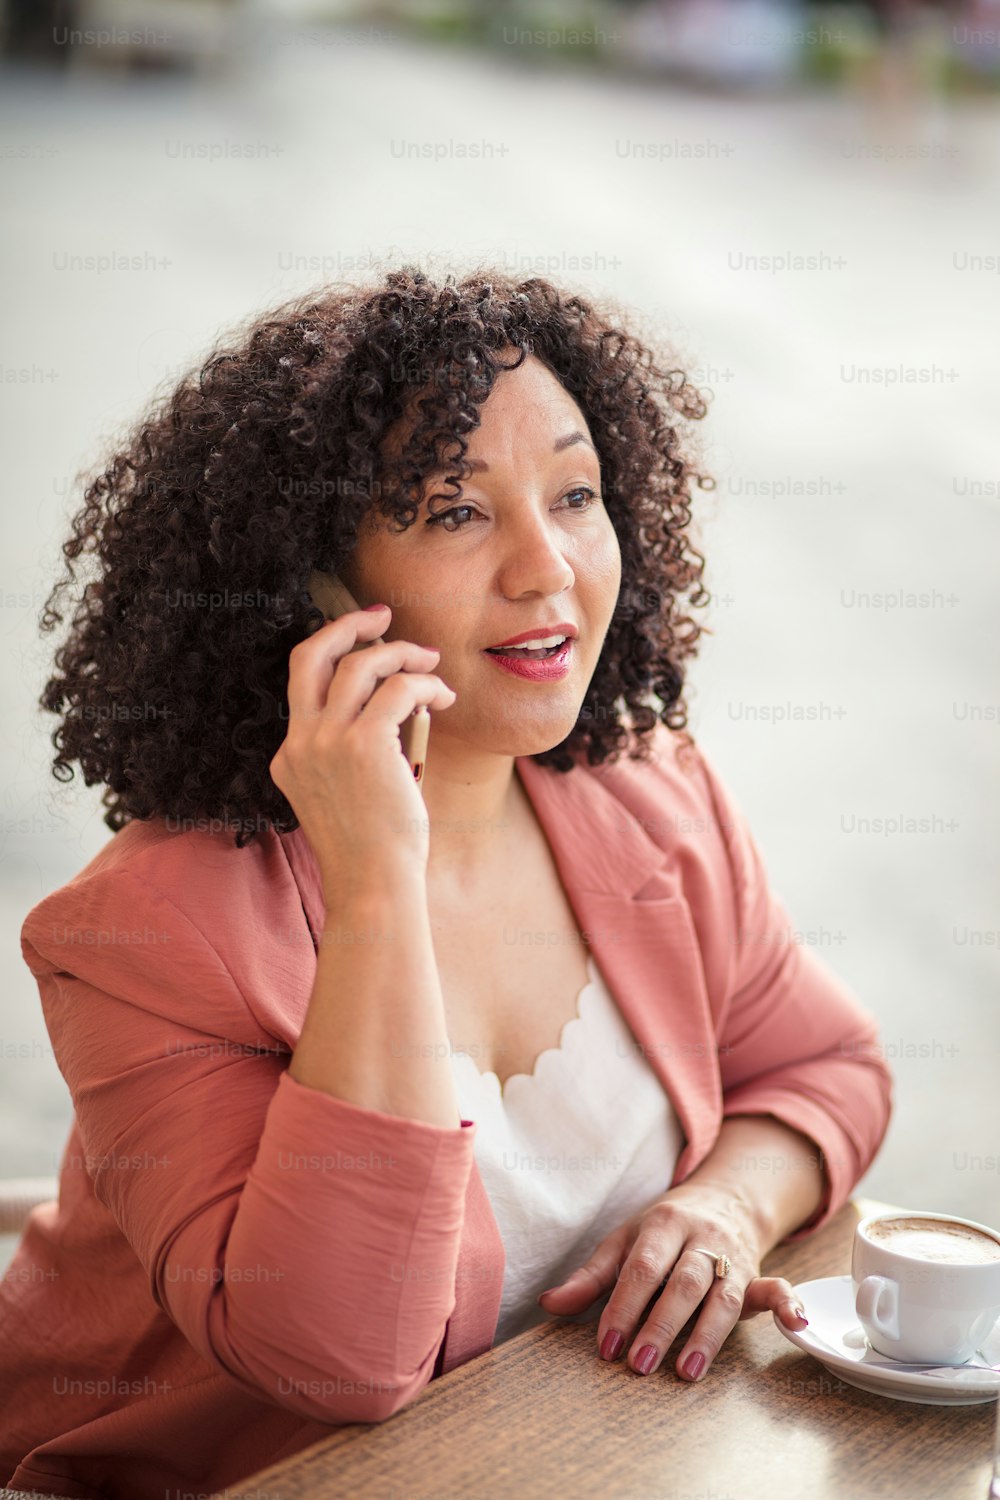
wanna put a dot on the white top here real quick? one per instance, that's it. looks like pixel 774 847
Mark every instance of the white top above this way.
pixel 570 1151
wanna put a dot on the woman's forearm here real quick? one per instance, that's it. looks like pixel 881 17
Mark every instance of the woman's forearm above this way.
pixel 375 1032
pixel 774 1171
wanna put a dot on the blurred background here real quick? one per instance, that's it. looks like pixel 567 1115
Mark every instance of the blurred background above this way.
pixel 801 200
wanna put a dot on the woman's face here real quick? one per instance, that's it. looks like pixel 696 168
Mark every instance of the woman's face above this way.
pixel 526 546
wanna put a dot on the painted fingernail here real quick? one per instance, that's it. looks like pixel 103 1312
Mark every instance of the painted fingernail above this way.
pixel 797 1311
pixel 645 1359
pixel 611 1344
pixel 693 1365
pixel 375 606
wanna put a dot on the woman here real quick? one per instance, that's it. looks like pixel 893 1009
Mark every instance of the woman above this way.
pixel 399 1069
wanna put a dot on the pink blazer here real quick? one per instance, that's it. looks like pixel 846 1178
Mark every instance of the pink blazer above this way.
pixel 237 1261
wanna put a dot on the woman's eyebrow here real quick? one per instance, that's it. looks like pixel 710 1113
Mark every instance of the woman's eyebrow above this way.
pixel 478 466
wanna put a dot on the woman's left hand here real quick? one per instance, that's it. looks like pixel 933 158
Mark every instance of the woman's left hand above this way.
pixel 660 1243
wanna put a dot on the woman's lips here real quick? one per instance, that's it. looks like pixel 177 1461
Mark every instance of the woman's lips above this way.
pixel 543 669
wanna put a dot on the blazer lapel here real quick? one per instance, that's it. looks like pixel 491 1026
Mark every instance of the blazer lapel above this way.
pixel 625 893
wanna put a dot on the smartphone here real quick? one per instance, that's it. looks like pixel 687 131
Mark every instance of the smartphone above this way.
pixel 330 595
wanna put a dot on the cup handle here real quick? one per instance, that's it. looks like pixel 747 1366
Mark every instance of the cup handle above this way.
pixel 877 1302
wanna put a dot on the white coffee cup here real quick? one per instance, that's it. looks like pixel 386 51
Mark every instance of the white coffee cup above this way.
pixel 927 1285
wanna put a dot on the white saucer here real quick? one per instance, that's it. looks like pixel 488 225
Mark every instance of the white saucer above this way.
pixel 835 1338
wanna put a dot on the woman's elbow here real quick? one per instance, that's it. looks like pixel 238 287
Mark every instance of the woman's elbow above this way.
pixel 325 1388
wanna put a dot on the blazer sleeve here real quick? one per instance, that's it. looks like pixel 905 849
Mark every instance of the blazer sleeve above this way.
pixel 794 1042
pixel 305 1246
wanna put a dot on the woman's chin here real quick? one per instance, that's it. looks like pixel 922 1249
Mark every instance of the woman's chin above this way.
pixel 533 738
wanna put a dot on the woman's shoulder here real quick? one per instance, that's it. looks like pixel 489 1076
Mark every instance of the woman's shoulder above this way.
pixel 185 893
pixel 182 860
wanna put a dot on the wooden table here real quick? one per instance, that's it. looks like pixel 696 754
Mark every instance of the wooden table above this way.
pixel 542 1415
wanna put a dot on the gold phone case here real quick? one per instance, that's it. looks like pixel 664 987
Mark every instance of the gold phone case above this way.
pixel 330 595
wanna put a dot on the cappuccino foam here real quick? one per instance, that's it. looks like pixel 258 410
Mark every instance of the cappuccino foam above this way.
pixel 935 1239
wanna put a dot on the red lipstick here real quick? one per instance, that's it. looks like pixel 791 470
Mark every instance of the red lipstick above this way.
pixel 538 669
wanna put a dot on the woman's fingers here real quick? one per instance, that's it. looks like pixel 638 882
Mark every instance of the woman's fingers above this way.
pixel 773 1294
pixel 311 673
pixel 589 1281
pixel 720 1315
pixel 691 1282
pixel 633 1276
pixel 313 660
pixel 340 765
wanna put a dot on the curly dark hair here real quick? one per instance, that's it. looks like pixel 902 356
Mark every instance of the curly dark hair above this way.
pixel 262 465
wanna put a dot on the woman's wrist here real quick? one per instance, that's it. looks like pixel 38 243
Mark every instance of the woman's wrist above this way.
pixel 374 890
pixel 766 1173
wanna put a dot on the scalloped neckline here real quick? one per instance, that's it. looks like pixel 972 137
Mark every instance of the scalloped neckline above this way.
pixel 488 1073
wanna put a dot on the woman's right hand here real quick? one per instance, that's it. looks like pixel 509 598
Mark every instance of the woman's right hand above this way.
pixel 341 764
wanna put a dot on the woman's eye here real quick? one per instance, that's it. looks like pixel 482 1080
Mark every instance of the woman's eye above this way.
pixel 444 515
pixel 590 498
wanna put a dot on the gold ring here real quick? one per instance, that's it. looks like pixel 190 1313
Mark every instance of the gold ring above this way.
pixel 723 1265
